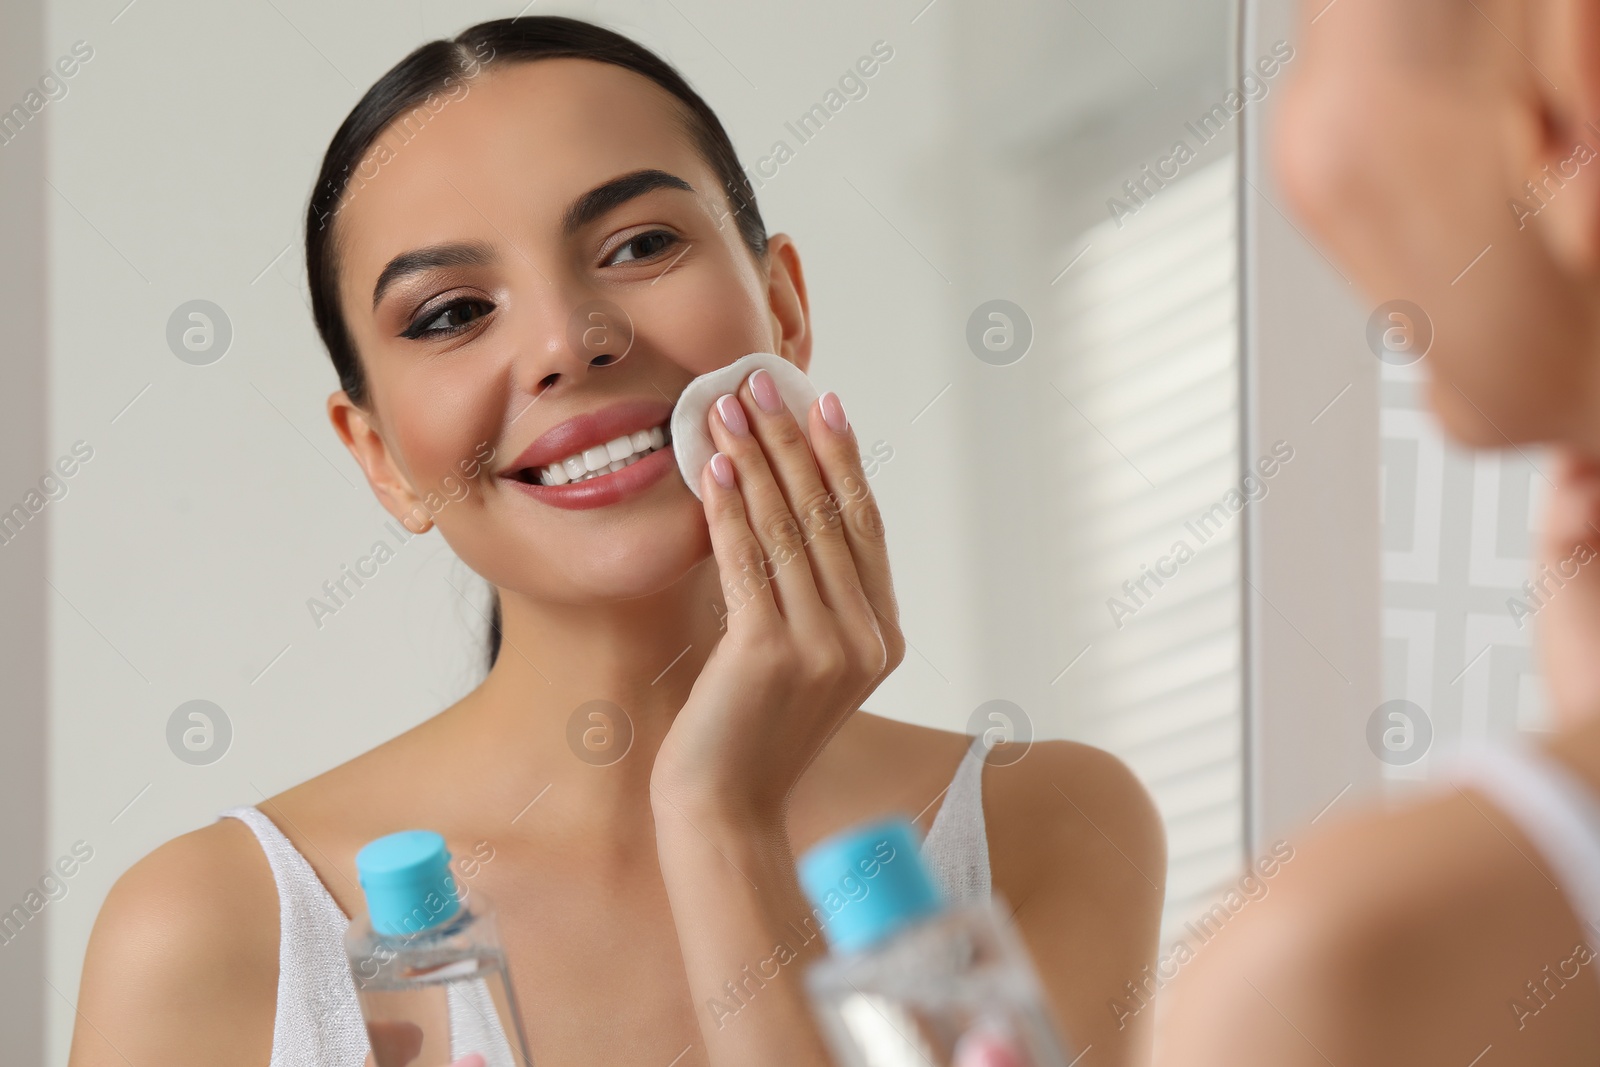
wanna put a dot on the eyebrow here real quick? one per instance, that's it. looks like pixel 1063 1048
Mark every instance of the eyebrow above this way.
pixel 608 195
pixel 582 211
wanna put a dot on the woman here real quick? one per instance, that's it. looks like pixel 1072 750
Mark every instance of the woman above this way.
pixel 477 206
pixel 1420 139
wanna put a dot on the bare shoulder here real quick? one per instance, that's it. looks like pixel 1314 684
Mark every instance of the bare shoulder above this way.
pixel 1078 852
pixel 183 958
pixel 1394 938
pixel 1047 806
pixel 1074 814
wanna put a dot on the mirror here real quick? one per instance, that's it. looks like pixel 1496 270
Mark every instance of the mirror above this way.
pixel 1020 235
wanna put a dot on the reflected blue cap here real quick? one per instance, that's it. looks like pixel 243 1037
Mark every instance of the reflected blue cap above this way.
pixel 868 883
pixel 407 881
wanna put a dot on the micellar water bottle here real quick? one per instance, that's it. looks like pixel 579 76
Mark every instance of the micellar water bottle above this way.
pixel 428 967
pixel 913 981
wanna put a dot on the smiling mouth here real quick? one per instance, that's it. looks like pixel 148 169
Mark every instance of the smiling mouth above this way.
pixel 599 460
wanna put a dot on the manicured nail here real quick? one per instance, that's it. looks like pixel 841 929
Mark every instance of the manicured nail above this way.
pixel 833 413
pixel 732 413
pixel 721 469
pixel 766 392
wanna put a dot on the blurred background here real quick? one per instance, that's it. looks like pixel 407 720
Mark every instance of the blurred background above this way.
pixel 1138 460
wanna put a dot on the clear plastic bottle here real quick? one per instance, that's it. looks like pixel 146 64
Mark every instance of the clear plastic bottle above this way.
pixel 912 981
pixel 429 970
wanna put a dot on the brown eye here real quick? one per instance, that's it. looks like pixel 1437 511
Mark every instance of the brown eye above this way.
pixel 643 247
pixel 441 322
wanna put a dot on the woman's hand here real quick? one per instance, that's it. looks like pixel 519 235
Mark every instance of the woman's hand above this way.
pixel 811 630
pixel 396 1044
pixel 812 626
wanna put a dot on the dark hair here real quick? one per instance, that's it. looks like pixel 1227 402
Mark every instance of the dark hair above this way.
pixel 412 88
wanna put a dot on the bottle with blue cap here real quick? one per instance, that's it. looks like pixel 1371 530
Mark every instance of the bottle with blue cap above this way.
pixel 428 967
pixel 911 979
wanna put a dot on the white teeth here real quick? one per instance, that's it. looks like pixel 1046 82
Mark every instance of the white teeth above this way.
pixel 603 459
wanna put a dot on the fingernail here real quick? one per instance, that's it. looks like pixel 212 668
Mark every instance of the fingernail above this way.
pixel 766 392
pixel 833 413
pixel 732 414
pixel 721 469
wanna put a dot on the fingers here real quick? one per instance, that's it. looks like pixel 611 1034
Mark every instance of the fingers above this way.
pixel 834 556
pixel 394 1042
pixel 839 459
pixel 746 586
pixel 794 467
pixel 766 512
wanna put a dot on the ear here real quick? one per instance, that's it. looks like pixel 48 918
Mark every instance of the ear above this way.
pixel 356 429
pixel 1566 36
pixel 786 299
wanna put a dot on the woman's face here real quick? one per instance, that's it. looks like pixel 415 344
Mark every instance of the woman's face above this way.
pixel 1407 138
pixel 497 346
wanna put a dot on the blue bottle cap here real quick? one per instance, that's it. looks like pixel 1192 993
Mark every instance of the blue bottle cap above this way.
pixel 868 883
pixel 407 880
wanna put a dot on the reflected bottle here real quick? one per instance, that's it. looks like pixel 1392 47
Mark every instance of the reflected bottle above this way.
pixel 911 979
pixel 428 968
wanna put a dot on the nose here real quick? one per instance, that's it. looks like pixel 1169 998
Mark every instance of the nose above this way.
pixel 578 335
pixel 600 332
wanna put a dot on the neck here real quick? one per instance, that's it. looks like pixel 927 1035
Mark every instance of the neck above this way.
pixel 1577 744
pixel 581 695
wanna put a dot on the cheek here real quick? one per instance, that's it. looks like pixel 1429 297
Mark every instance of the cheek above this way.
pixel 444 421
pixel 706 318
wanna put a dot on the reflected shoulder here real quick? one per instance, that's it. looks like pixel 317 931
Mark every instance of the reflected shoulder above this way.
pixel 1064 802
pixel 183 958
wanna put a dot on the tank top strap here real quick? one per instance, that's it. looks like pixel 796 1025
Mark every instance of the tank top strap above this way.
pixel 318 1018
pixel 957 845
pixel 1558 813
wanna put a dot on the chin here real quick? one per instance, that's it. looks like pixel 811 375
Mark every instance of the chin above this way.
pixel 1500 414
pixel 643 564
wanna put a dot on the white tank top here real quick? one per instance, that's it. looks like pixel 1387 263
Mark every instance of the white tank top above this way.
pixel 318 1019
pixel 1558 812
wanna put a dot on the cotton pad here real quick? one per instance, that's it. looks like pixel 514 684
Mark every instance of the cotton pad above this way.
pixel 691 440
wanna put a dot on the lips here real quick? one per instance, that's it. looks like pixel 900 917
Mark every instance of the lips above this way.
pixel 587 431
pixel 575 464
